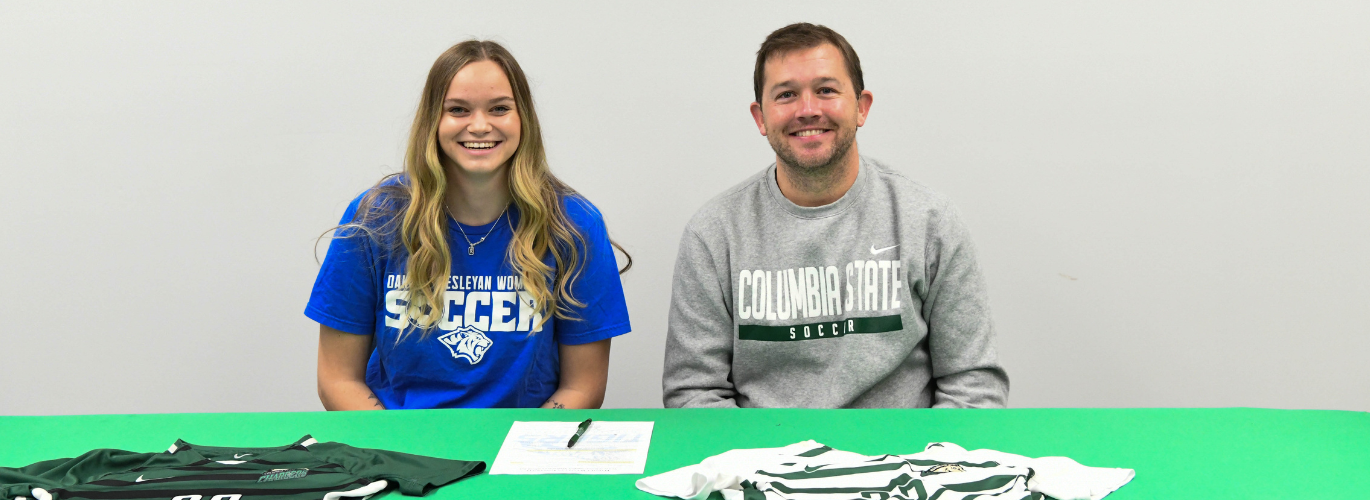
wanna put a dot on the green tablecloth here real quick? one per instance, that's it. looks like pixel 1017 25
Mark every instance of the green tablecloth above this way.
pixel 1177 453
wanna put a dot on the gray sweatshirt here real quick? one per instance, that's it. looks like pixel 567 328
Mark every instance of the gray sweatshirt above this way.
pixel 874 300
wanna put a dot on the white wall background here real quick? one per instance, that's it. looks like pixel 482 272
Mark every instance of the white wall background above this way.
pixel 1170 198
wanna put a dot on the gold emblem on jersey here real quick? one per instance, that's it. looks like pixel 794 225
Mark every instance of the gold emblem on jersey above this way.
pixel 944 468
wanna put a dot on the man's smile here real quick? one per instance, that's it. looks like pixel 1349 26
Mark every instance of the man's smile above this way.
pixel 810 134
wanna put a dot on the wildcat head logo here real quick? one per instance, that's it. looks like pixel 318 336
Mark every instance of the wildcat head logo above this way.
pixel 468 343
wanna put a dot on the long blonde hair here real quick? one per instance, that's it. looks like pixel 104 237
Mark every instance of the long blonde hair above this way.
pixel 419 193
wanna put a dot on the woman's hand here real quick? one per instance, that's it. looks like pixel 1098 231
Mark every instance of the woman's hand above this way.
pixel 584 373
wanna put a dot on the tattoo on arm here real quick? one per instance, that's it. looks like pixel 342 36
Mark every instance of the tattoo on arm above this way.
pixel 373 397
pixel 556 405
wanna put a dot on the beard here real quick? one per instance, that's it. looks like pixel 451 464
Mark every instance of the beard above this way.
pixel 814 174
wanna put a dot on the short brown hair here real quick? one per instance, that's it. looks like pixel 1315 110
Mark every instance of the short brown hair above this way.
pixel 805 36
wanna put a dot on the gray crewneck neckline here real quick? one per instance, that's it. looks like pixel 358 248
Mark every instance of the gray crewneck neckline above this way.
pixel 818 212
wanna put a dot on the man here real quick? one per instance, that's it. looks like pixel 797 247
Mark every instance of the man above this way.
pixel 827 280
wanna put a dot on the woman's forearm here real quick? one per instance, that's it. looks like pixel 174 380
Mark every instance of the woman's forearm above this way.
pixel 573 399
pixel 348 395
pixel 342 371
pixel 584 374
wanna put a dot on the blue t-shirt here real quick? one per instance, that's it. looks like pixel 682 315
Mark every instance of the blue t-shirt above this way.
pixel 487 352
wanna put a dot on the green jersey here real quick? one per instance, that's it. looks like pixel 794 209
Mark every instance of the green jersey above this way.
pixel 303 470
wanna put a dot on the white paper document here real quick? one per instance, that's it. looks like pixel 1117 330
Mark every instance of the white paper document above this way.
pixel 605 448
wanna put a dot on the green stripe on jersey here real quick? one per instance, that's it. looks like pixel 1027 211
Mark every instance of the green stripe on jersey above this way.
pixel 750 492
pixel 815 452
pixel 820 330
pixel 902 480
pixel 963 464
pixel 986 484
pixel 821 472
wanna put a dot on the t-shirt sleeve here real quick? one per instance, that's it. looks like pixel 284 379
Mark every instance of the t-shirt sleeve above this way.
pixel 415 475
pixel 344 295
pixel 605 313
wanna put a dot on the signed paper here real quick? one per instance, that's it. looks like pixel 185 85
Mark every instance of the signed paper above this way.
pixel 606 448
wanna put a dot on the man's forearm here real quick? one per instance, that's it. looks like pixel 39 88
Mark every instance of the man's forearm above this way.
pixel 699 332
pixel 979 388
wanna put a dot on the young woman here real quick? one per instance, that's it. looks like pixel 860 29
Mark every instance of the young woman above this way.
pixel 475 278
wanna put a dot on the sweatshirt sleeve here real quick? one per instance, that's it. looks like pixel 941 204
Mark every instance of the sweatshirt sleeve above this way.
pixel 965 365
pixel 699 333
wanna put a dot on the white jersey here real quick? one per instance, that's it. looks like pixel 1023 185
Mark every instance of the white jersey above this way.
pixel 812 471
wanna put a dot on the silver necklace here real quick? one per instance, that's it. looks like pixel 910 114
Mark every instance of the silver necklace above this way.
pixel 471 249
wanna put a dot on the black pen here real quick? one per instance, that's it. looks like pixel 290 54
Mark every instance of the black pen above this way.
pixel 580 431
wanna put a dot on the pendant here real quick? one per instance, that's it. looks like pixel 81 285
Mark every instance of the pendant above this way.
pixel 471 250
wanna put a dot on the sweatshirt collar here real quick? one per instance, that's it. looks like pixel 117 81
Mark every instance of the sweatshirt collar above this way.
pixel 822 211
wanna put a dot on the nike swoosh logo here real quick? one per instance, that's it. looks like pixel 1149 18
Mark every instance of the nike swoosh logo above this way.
pixel 877 252
pixel 236 456
pixel 139 480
